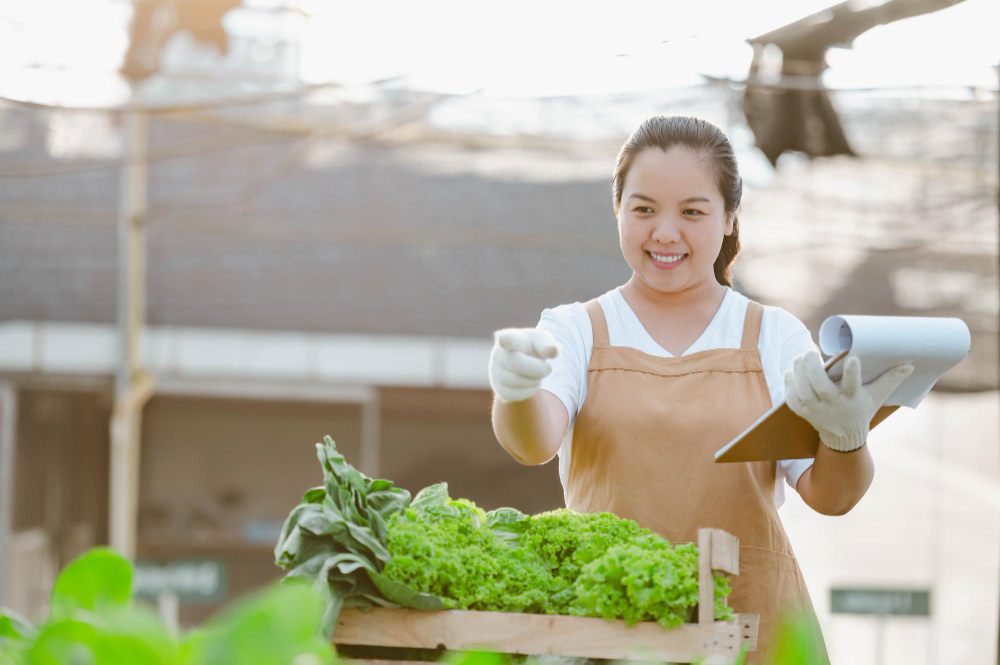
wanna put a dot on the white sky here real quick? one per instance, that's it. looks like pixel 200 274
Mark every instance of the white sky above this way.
pixel 517 48
pixel 526 48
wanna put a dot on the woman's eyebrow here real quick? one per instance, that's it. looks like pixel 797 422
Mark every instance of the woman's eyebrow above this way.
pixel 693 199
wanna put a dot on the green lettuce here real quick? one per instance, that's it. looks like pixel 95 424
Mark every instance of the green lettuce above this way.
pixel 363 542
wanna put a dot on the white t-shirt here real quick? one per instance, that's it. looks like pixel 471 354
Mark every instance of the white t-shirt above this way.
pixel 783 337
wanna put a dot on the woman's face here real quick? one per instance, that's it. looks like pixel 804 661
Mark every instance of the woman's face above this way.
pixel 671 207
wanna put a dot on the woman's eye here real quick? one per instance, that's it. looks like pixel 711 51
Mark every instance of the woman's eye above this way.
pixel 642 208
pixel 694 211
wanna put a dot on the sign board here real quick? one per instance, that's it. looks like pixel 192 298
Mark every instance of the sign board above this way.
pixel 882 602
pixel 191 580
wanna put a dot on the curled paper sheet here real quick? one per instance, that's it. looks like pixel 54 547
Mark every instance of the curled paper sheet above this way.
pixel 933 345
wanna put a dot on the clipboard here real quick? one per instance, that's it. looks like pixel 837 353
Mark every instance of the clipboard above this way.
pixel 782 434
pixel 933 345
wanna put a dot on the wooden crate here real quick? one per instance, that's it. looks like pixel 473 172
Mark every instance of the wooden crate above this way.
pixel 716 642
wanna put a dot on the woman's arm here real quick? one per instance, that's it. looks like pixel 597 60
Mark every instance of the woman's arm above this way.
pixel 836 481
pixel 843 468
pixel 532 429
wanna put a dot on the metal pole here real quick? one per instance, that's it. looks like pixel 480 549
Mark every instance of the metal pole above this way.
pixel 880 640
pixel 8 440
pixel 169 607
pixel 132 387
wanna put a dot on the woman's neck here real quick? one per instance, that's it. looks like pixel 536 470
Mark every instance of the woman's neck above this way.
pixel 706 295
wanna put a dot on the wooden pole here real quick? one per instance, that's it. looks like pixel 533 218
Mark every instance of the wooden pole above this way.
pixel 132 386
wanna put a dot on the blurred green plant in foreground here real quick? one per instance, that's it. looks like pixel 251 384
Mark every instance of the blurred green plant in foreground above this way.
pixel 93 621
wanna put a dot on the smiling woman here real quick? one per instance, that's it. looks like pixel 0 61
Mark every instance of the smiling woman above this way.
pixel 680 184
pixel 636 389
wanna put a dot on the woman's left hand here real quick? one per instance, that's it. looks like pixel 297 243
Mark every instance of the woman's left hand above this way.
pixel 841 414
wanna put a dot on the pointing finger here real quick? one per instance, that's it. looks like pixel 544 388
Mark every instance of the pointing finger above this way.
pixel 538 343
pixel 512 339
pixel 525 365
pixel 543 344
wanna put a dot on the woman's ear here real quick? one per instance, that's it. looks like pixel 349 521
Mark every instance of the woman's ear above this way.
pixel 730 223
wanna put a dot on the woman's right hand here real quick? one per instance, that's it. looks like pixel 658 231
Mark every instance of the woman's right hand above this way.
pixel 519 361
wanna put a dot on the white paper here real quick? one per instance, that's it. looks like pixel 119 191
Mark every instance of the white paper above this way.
pixel 933 345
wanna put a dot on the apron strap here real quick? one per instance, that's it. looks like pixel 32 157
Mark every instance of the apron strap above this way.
pixel 598 323
pixel 751 326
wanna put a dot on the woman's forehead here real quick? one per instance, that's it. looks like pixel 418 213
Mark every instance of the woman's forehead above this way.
pixel 677 173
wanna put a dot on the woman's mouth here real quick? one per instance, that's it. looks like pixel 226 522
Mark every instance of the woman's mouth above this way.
pixel 666 261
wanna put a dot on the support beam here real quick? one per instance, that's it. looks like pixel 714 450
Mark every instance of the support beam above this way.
pixel 132 387
pixel 8 441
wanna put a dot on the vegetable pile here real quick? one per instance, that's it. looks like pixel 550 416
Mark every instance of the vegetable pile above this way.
pixel 364 542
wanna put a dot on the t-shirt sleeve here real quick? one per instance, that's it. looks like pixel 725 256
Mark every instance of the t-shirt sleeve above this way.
pixel 571 331
pixel 796 341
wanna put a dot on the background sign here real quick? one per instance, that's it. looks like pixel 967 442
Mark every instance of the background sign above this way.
pixel 904 602
pixel 193 580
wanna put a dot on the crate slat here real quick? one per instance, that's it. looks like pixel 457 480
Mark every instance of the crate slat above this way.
pixel 725 552
pixel 749 625
pixel 536 634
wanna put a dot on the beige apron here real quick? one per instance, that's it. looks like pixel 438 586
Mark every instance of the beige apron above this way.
pixel 643 448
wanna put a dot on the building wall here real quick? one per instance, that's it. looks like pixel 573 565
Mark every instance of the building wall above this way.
pixel 220 475
pixel 60 488
pixel 931 520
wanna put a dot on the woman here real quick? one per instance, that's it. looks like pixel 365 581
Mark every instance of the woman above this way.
pixel 637 389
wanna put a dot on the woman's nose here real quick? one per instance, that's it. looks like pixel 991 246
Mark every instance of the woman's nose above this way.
pixel 667 230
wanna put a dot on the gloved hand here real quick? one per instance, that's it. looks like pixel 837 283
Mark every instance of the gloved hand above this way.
pixel 841 414
pixel 519 362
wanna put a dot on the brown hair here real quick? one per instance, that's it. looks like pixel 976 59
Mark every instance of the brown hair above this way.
pixel 703 137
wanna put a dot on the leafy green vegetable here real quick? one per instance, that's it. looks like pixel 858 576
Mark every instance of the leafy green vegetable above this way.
pixel 560 562
pixel 274 627
pixel 94 622
pixel 364 543
pixel 336 537
pixel 99 579
pixel 16 637
pixel 14 627
pixel 796 640
pixel 133 635
pixel 446 550
pixel 645 580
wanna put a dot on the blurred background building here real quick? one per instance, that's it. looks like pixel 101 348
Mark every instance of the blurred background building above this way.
pixel 332 235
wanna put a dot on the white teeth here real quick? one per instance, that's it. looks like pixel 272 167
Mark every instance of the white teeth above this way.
pixel 668 259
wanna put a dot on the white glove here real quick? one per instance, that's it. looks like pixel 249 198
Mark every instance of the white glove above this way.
pixel 519 362
pixel 841 414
